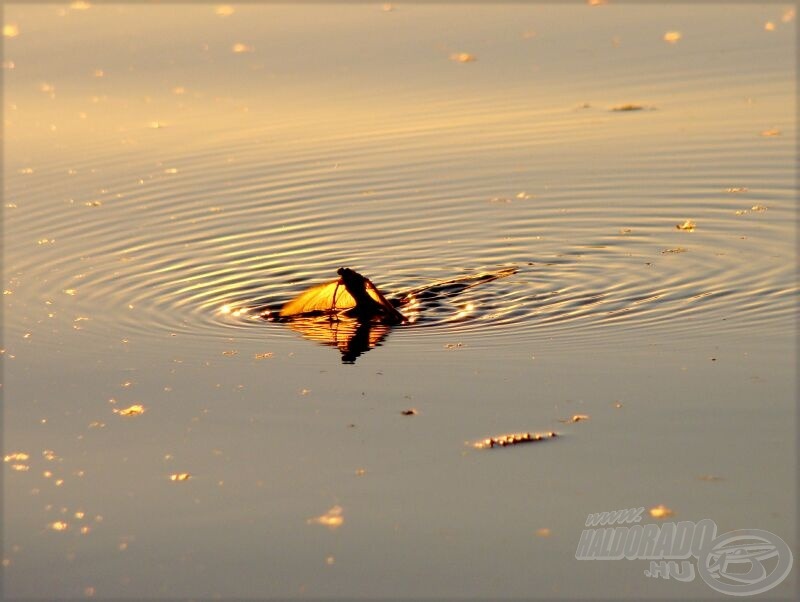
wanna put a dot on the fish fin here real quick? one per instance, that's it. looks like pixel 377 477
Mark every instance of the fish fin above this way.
pixel 327 297
pixel 373 292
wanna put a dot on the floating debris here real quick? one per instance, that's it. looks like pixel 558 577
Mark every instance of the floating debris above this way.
pixel 788 15
pixel 672 37
pixel 93 203
pixel 687 226
pixel 240 48
pixel 409 412
pixel 463 57
pixel 625 231
pixel 451 346
pixel 754 209
pixel 80 5
pixel 524 195
pixel 617 404
pixel 500 199
pixel 16 457
pixel 332 519
pixel 156 125
pixel 735 190
pixel 770 26
pixel 543 532
pixel 660 511
pixel 230 352
pixel 387 8
pixel 360 472
pixel 513 439
pixel 330 560
pixel 710 477
pixel 134 410
pixel 596 2
pixel 58 525
pixel 627 107
pixel 10 30
pixel 180 476
pixel 576 418
pixel 20 467
pixel 263 356
pixel 675 250
pixel 224 10
pixel 771 132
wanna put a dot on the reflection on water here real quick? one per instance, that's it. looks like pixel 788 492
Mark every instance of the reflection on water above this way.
pixel 328 314
pixel 583 210
pixel 350 314
pixel 351 336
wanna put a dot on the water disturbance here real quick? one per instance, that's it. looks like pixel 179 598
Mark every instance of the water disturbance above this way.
pixel 588 211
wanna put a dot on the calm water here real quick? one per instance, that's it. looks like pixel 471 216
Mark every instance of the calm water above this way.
pixel 168 169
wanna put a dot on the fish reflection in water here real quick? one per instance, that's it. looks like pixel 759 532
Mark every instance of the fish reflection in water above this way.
pixel 351 314
pixel 350 335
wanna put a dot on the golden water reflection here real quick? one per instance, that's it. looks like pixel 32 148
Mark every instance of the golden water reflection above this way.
pixel 350 336
pixel 211 160
pixel 320 313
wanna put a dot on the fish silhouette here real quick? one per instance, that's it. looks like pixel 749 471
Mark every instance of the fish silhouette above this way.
pixel 352 294
pixel 353 315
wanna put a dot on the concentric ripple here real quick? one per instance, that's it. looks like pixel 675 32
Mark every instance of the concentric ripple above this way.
pixel 191 241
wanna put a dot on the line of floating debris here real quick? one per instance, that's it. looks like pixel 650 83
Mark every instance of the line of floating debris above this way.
pixel 514 439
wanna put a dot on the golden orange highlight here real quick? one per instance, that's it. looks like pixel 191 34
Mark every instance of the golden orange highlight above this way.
pixel 134 410
pixel 660 511
pixel 513 439
pixel 332 519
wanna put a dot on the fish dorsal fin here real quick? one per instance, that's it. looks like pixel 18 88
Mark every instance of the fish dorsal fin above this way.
pixel 328 297
pixel 373 292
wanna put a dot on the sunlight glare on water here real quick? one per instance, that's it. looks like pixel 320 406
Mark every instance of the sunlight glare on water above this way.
pixel 174 172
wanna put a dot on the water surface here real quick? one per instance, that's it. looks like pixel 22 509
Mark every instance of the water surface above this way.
pixel 201 165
